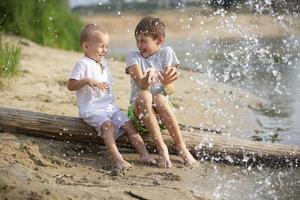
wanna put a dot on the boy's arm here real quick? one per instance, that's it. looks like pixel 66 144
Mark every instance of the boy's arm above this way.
pixel 137 75
pixel 74 84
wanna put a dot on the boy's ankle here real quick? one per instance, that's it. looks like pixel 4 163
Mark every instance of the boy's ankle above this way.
pixel 163 149
pixel 182 151
pixel 144 155
pixel 117 158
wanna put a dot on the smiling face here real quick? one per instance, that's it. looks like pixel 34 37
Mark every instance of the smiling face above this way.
pixel 147 45
pixel 96 45
pixel 149 35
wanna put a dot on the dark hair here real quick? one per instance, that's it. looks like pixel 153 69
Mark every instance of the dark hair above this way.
pixel 150 26
pixel 88 30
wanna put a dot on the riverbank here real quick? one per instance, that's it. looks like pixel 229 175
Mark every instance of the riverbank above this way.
pixel 36 168
pixel 40 168
pixel 192 25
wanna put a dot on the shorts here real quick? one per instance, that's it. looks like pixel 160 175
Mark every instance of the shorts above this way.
pixel 137 122
pixel 96 119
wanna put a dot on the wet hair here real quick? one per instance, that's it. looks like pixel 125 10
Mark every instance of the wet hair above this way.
pixel 150 26
pixel 88 30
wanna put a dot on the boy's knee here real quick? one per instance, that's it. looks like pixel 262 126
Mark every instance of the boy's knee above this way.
pixel 108 125
pixel 144 98
pixel 160 101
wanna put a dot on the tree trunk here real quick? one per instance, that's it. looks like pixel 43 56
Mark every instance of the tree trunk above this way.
pixel 204 145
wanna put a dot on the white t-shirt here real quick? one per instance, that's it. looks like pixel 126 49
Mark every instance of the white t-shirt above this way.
pixel 91 100
pixel 164 58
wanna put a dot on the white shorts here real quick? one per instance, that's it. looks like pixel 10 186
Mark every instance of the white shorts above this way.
pixel 117 117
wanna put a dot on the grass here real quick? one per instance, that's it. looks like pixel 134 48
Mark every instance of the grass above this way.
pixel 47 22
pixel 9 60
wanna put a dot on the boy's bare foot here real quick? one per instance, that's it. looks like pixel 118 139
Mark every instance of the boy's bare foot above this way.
pixel 188 159
pixel 148 160
pixel 164 162
pixel 122 165
pixel 164 158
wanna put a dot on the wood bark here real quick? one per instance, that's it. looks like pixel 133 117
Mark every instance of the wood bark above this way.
pixel 204 145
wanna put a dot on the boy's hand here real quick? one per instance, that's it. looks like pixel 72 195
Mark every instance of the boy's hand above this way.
pixel 97 85
pixel 168 75
pixel 150 76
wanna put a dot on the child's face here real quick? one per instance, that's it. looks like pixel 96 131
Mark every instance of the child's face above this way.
pixel 96 46
pixel 147 45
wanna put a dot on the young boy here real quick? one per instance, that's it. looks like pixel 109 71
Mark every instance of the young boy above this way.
pixel 92 82
pixel 153 69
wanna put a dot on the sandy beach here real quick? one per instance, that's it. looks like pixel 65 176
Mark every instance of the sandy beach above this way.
pixel 37 168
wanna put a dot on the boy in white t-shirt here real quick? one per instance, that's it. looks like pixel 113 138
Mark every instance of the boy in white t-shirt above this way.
pixel 92 82
pixel 153 70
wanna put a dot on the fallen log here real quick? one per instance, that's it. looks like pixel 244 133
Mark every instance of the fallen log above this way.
pixel 204 145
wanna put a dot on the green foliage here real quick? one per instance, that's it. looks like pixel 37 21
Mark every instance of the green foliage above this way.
pixel 47 22
pixel 9 59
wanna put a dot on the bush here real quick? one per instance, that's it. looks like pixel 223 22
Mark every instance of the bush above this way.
pixel 47 22
pixel 9 59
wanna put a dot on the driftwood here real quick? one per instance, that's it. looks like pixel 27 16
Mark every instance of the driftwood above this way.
pixel 204 145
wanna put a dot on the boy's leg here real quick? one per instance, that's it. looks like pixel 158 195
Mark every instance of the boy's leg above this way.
pixel 108 134
pixel 167 116
pixel 144 111
pixel 138 143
